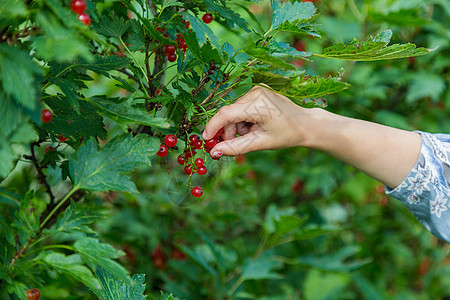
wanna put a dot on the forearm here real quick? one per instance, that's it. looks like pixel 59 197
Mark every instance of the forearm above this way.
pixel 384 153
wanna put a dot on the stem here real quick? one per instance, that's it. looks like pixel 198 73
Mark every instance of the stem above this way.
pixel 235 286
pixel 41 176
pixel 134 59
pixel 72 191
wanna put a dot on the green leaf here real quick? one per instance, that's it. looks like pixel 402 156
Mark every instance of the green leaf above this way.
pixel 107 63
pixel 17 75
pixel 165 296
pixel 229 15
pixel 323 286
pixel 292 13
pixel 273 216
pixel 114 289
pixel 124 113
pixel 60 43
pixel 11 9
pixel 68 122
pixel 72 266
pixel 107 169
pixel 402 18
pixel 261 267
pixel 76 220
pixel 112 26
pixel 96 254
pixel 264 56
pixel 168 3
pixel 17 288
pixel 281 49
pixel 373 49
pixel 298 87
pixel 337 262
pixel 425 85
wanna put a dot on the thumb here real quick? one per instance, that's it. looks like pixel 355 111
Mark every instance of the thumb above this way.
pixel 252 141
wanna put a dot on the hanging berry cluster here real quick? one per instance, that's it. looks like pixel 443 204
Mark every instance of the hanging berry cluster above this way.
pixel 192 164
pixel 78 7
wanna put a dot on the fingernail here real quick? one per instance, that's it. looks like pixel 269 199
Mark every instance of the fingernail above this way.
pixel 217 154
pixel 204 135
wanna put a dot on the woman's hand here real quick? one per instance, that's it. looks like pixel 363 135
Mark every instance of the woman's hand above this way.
pixel 263 120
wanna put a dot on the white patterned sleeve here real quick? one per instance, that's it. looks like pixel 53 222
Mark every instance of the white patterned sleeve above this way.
pixel 426 189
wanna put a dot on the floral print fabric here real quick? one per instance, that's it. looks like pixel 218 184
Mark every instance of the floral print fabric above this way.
pixel 426 189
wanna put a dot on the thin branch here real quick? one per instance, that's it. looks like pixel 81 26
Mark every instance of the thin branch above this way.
pixel 224 93
pixel 41 176
pixel 214 90
pixel 131 76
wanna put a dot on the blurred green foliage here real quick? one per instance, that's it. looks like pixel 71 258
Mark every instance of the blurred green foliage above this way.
pixel 293 223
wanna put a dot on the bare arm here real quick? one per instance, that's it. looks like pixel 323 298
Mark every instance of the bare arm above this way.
pixel 267 120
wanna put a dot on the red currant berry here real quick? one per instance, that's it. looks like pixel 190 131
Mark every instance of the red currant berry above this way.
pixel 199 162
pixel 198 144
pixel 197 191
pixel 33 294
pixel 189 170
pixel 170 140
pixel 163 151
pixel 181 159
pixel 207 149
pixel 61 138
pixel 182 44
pixel 219 133
pixel 201 170
pixel 193 138
pixel 158 92
pixel 188 153
pixel 49 148
pixel 84 18
pixel 172 57
pixel 170 49
pixel 207 18
pixel 46 116
pixel 210 143
pixel 78 6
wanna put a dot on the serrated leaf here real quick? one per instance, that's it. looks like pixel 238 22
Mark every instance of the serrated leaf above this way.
pixel 114 289
pixel 96 254
pixel 124 113
pixel 165 296
pixel 68 122
pixel 264 56
pixel 71 265
pixel 337 262
pixel 107 63
pixel 168 3
pixel 75 220
pixel 17 288
pixel 107 169
pixel 299 88
pixel 17 75
pixel 261 267
pixel 112 26
pixel 229 15
pixel 373 49
pixel 292 13
pixel 281 49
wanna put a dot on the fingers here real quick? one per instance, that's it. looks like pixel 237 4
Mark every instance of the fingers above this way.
pixel 241 110
pixel 252 141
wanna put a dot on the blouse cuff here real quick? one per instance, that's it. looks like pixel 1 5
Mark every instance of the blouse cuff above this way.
pixel 425 191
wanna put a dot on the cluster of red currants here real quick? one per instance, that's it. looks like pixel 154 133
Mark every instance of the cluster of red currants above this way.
pixel 188 159
pixel 78 7
pixel 33 294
